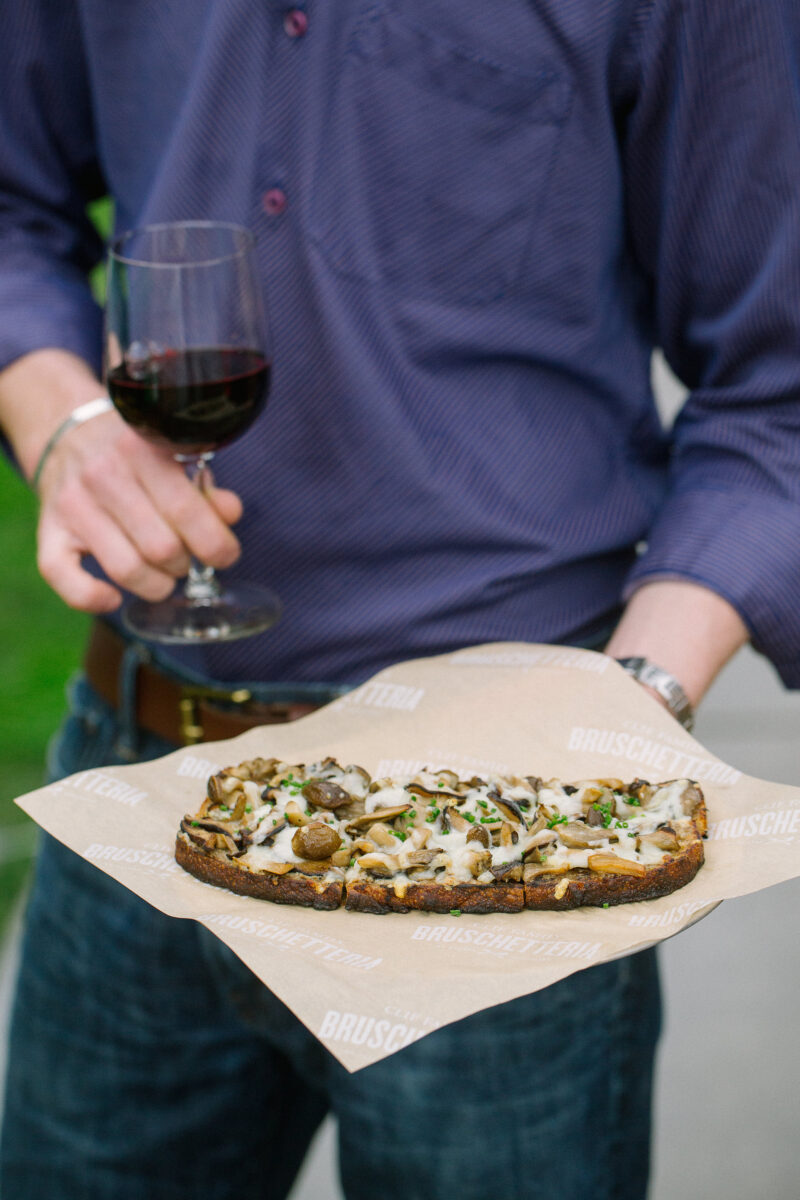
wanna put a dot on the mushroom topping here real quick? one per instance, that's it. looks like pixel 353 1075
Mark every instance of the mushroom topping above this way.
pixel 506 835
pixel 379 864
pixel 613 865
pixel 531 871
pixel 595 818
pixel 691 800
pixel 201 837
pixel 262 768
pixel 295 814
pixel 477 861
pixel 664 838
pixel 276 868
pixel 534 782
pixel 420 858
pixel 316 841
pixel 478 833
pixel 641 790
pixel 386 814
pixel 448 778
pixel 452 819
pixel 216 792
pixel 239 807
pixel 310 866
pixel 325 795
pixel 382 835
pixel 580 836
pixel 265 833
pixel 434 794
pixel 509 808
pixel 508 871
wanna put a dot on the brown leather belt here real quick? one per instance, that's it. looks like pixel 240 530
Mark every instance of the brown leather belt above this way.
pixel 179 712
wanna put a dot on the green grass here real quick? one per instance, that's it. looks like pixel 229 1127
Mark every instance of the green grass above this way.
pixel 42 643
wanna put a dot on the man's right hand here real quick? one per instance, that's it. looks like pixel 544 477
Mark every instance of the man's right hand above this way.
pixel 108 493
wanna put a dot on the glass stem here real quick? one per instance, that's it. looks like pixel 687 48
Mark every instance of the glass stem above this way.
pixel 202 585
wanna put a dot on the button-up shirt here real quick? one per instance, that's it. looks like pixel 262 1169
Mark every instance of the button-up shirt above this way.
pixel 474 221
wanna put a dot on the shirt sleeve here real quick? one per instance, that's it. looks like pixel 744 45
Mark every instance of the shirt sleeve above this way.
pixel 48 174
pixel 711 152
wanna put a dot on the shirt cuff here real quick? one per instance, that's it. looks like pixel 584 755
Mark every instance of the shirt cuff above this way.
pixel 55 312
pixel 746 548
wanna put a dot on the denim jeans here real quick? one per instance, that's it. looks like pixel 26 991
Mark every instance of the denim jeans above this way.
pixel 148 1063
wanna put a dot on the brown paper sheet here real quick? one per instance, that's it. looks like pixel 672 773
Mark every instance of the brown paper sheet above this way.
pixel 367 985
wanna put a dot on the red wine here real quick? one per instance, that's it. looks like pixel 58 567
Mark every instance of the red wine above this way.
pixel 193 400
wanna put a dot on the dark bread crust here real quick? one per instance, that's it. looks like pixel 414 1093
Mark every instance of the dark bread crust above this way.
pixel 292 888
pixel 587 888
pixel 377 896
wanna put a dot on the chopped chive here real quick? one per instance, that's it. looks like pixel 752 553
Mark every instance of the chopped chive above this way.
pixel 455 912
pixel 196 824
pixel 468 817
pixel 605 904
pixel 248 808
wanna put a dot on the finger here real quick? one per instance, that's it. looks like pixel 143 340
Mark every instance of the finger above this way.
pixel 59 562
pixel 94 532
pixel 191 514
pixel 227 503
pixel 127 503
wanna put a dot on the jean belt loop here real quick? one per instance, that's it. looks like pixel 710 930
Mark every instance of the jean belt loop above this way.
pixel 127 745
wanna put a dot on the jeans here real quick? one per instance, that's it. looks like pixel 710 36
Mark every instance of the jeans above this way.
pixel 148 1063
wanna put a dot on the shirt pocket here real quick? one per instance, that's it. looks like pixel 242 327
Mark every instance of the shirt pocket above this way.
pixel 434 163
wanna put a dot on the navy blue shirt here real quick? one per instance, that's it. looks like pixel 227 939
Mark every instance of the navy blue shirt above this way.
pixel 475 220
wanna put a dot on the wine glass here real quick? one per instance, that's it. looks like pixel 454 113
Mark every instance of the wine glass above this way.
pixel 187 365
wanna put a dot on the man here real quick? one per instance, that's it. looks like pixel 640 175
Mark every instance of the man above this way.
pixel 475 222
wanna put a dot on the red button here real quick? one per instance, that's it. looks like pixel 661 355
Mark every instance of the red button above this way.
pixel 295 23
pixel 274 202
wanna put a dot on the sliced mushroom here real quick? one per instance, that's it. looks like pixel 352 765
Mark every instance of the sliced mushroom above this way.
pixel 383 814
pixel 691 799
pixel 316 841
pixel 479 833
pixel 325 795
pixel 216 794
pixel 477 861
pixel 641 790
pixel 510 809
pixel 532 871
pixel 265 833
pixel 382 865
pixel 311 866
pixel 295 815
pixel 664 838
pixel 508 871
pixel 420 835
pixel 276 868
pixel 382 835
pixel 448 778
pixel 433 794
pixel 341 858
pixel 595 818
pixel 420 858
pixel 580 836
pixel 452 819
pixel 506 836
pixel 612 864
pixel 262 768
pixel 201 837
pixel 534 782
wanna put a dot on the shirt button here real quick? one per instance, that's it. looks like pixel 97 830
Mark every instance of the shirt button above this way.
pixel 274 202
pixel 295 23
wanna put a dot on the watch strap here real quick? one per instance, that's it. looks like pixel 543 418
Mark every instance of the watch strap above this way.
pixel 667 686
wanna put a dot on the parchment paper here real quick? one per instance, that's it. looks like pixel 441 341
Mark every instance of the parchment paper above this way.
pixel 368 985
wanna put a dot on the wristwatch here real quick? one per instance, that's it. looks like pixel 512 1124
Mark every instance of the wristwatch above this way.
pixel 665 684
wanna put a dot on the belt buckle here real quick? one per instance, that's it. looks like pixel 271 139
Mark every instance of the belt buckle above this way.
pixel 189 707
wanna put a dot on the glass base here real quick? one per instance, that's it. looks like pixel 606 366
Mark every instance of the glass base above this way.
pixel 236 612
